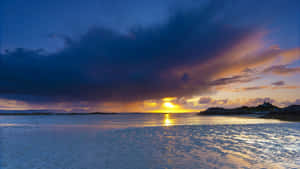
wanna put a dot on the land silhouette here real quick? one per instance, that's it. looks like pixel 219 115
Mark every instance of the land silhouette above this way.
pixel 265 110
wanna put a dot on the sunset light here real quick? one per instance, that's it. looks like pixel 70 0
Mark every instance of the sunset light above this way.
pixel 168 99
pixel 169 105
pixel 167 121
pixel 149 84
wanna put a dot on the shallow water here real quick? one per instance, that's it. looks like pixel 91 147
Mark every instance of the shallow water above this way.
pixel 147 141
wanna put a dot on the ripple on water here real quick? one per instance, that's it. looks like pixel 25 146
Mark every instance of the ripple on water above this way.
pixel 205 146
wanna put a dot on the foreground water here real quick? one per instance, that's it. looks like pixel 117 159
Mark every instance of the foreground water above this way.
pixel 138 141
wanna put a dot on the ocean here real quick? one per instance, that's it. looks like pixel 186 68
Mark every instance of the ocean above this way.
pixel 147 141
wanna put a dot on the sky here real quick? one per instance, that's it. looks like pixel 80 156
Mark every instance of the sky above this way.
pixel 148 56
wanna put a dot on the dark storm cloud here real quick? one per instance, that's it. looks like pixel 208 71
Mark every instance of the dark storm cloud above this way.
pixel 67 40
pixel 145 63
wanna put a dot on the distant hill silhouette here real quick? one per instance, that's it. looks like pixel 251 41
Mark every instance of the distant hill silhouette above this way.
pixel 266 110
pixel 263 108
pixel 290 113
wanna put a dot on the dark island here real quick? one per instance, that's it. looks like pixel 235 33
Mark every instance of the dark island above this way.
pixel 265 110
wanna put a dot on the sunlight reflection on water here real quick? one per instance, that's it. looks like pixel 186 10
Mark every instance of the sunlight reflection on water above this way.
pixel 168 122
pixel 127 120
pixel 147 141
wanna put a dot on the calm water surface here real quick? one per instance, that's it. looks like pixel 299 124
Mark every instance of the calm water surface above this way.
pixel 147 141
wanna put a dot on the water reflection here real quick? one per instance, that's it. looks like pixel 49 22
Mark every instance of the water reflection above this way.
pixel 126 120
pixel 206 146
pixel 167 120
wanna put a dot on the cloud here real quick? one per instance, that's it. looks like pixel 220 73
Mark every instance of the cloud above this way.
pixel 276 86
pixel 297 101
pixel 288 103
pixel 257 101
pixel 67 40
pixel 234 79
pixel 255 88
pixel 278 83
pixel 188 54
pixel 205 100
pixel 282 70
pixel 289 56
pixel 211 102
pixel 235 103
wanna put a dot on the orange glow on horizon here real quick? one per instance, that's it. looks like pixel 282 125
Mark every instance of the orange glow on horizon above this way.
pixel 165 105
pixel 169 107
pixel 150 104
pixel 168 99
